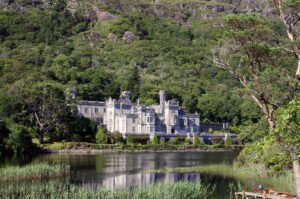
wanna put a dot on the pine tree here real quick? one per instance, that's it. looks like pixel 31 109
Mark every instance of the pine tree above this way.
pixel 134 82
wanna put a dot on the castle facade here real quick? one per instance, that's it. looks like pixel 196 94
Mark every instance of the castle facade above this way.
pixel 126 117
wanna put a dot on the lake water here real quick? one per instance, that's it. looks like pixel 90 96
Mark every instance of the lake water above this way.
pixel 119 170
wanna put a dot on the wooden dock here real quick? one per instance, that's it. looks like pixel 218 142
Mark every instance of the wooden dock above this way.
pixel 271 195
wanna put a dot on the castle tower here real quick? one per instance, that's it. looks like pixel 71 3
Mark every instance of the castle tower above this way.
pixel 162 98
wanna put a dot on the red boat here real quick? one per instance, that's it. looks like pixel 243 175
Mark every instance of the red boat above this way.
pixel 262 193
pixel 272 192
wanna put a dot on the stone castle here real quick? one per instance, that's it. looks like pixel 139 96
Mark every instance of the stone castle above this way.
pixel 130 118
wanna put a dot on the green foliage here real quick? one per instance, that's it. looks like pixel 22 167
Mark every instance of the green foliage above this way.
pixel 173 141
pixel 80 129
pixel 178 190
pixel 256 60
pixel 4 133
pixel 249 175
pixel 46 107
pixel 19 139
pixel 129 141
pixel 288 126
pixel 252 53
pixel 196 140
pixel 116 138
pixel 101 136
pixel 46 47
pixel 217 141
pixel 155 139
pixel 187 141
pixel 228 142
pixel 31 172
pixel 292 3
pixel 271 157
pixel 72 50
pixel 133 83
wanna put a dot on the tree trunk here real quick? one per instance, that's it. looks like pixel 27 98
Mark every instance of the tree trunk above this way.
pixel 41 137
pixel 298 69
pixel 296 169
pixel 271 122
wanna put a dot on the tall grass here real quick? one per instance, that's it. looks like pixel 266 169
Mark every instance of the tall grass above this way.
pixel 32 172
pixel 249 177
pixel 53 189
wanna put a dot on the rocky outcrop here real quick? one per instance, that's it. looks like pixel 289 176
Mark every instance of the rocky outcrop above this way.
pixel 95 10
pixel 112 37
pixel 128 37
pixel 93 38
pixel 105 16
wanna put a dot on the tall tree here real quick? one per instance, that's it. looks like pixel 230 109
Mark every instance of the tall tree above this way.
pixel 46 108
pixel 289 14
pixel 252 55
pixel 133 82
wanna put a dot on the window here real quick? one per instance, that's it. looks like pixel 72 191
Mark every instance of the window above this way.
pixel 86 110
pixel 104 110
pixel 172 130
pixel 148 119
pixel 151 119
pixel 133 129
pixel 151 129
pixel 96 110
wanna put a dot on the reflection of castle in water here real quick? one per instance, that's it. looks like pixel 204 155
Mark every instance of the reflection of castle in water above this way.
pixel 143 179
pixel 121 171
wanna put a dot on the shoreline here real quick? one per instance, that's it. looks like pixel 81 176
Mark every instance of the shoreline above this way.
pixel 92 148
pixel 99 151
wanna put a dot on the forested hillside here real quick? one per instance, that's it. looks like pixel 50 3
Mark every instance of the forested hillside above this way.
pixel 229 60
pixel 103 47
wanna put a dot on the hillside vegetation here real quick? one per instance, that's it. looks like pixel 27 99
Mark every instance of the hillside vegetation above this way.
pixel 98 46
pixel 104 47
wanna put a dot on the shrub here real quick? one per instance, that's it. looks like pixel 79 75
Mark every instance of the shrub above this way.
pixel 116 137
pixel 187 141
pixel 101 136
pixel 173 141
pixel 155 140
pixel 19 139
pixel 228 142
pixel 196 140
pixel 217 140
pixel 4 132
pixel 129 140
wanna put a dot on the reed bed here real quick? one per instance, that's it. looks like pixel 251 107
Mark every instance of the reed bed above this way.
pixel 52 189
pixel 32 172
pixel 249 177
